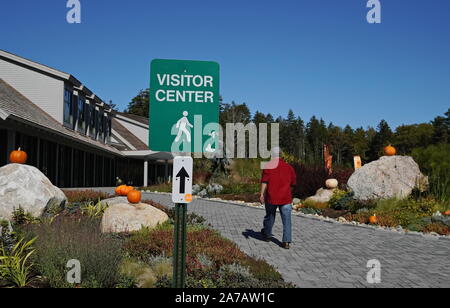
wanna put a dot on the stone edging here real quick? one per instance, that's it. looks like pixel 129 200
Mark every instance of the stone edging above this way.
pixel 326 219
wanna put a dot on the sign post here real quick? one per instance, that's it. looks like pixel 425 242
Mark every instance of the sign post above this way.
pixel 181 196
pixel 184 107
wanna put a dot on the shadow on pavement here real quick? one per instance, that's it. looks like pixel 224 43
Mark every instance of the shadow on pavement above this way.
pixel 258 236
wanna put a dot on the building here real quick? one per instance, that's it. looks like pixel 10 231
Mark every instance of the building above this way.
pixel 69 133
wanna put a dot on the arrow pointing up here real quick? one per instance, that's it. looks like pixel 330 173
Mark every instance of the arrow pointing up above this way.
pixel 182 174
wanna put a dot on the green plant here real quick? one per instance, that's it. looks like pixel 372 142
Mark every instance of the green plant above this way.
pixel 65 239
pixel 340 199
pixel 435 162
pixel 20 217
pixel 15 267
pixel 138 272
pixel 94 210
pixel 315 205
pixel 240 188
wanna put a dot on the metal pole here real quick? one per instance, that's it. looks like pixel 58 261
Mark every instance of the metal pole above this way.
pixel 179 255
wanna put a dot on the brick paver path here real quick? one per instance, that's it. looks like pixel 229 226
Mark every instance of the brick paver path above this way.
pixel 328 254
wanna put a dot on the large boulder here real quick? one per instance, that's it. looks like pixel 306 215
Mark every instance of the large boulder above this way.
pixel 322 196
pixel 388 177
pixel 114 201
pixel 28 188
pixel 126 217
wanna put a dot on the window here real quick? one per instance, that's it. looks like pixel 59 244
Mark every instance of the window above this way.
pixel 92 118
pixel 95 126
pixel 101 126
pixel 108 130
pixel 68 108
pixel 81 115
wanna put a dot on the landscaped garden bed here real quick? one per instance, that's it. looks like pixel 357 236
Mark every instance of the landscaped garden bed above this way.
pixel 35 252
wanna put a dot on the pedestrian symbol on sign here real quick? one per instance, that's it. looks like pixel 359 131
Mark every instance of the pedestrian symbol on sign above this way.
pixel 182 126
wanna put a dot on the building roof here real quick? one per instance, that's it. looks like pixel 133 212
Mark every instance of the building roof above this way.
pixel 54 73
pixel 40 67
pixel 142 120
pixel 13 105
pixel 134 143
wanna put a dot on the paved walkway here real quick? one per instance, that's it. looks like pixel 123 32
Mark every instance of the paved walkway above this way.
pixel 328 254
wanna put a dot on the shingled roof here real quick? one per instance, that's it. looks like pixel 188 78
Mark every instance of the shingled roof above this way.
pixel 13 105
pixel 128 136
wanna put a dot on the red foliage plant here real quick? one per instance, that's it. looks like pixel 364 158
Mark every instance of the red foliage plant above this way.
pixel 311 178
pixel 75 196
pixel 207 242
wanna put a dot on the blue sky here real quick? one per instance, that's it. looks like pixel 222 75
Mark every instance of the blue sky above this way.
pixel 317 57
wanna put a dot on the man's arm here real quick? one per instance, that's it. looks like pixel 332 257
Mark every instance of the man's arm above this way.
pixel 262 197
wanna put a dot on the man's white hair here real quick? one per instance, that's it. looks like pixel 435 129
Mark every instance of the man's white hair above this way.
pixel 275 152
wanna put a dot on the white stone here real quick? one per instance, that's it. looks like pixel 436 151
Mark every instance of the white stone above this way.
pixel 322 195
pixel 126 217
pixel 26 187
pixel 342 219
pixel 331 183
pixel 388 177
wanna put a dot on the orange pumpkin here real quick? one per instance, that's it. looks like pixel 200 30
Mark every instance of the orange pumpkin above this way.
pixel 134 196
pixel 18 157
pixel 390 150
pixel 373 219
pixel 126 190
pixel 119 190
pixel 447 213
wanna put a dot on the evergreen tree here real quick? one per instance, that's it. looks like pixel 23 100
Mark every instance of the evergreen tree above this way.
pixel 139 105
pixel 382 138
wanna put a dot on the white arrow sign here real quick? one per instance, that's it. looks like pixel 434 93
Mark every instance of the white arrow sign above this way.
pixel 182 179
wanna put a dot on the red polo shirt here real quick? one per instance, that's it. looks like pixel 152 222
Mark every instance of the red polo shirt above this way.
pixel 279 182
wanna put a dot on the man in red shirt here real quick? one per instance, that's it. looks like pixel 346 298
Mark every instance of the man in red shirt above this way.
pixel 276 184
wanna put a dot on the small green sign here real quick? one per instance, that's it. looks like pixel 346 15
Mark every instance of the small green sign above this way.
pixel 184 106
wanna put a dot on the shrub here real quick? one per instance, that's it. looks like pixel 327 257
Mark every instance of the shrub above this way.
pixel 435 162
pixel 66 239
pixel 84 196
pixel 311 178
pixel 340 200
pixel 315 205
pixel 15 265
pixel 246 170
pixel 261 270
pixel 191 218
pixel 241 188
pixel 356 206
pixel 362 218
pixel 94 210
pixel 438 228
pixel 342 175
pixel 309 211
pixel 20 217
pixel 145 275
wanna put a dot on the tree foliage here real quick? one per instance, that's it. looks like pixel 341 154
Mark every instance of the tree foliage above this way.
pixel 304 140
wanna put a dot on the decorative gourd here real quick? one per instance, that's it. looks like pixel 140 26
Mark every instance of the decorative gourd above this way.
pixel 18 157
pixel 331 183
pixel 119 190
pixel 373 219
pixel 126 190
pixel 134 196
pixel 390 150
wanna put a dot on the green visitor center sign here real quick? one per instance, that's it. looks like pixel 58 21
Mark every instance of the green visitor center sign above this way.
pixel 184 106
